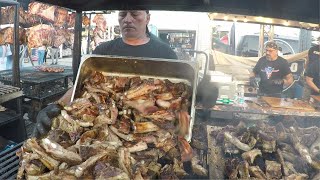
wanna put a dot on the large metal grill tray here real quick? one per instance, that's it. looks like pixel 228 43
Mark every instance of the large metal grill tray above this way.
pixel 173 70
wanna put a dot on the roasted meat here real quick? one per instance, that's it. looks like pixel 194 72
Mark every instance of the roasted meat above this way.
pixel 115 130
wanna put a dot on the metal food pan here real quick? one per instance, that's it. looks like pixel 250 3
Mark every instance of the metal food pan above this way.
pixel 173 70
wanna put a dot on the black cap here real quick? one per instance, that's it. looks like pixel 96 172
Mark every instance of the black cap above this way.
pixel 272 45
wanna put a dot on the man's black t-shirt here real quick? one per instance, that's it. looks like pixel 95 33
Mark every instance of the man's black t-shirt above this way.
pixel 314 54
pixel 153 49
pixel 271 70
pixel 313 72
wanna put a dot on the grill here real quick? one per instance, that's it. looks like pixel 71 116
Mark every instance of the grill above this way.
pixel 40 88
pixel 9 163
pixel 40 85
pixel 9 92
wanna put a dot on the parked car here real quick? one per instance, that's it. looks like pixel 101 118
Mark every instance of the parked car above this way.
pixel 249 44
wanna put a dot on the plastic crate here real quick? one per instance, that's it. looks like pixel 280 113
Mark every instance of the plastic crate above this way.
pixel 9 162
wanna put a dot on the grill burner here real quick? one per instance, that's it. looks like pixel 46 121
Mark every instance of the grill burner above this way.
pixel 5 89
pixel 9 92
pixel 9 163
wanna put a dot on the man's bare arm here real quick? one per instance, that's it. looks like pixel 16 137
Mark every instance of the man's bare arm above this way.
pixel 311 84
pixel 288 80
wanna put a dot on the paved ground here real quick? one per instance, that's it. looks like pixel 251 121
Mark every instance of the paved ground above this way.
pixel 67 61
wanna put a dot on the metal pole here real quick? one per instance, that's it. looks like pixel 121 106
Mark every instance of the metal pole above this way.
pixel 88 41
pixel 76 55
pixel 15 61
pixel 271 33
pixel 304 40
pixel 261 41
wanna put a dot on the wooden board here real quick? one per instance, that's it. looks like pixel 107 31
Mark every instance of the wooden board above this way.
pixel 288 103
pixel 215 156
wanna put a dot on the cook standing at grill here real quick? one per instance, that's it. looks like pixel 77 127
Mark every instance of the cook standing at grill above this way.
pixel 313 69
pixel 274 72
pixel 135 41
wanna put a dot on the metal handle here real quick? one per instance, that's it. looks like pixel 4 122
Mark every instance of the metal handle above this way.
pixel 200 52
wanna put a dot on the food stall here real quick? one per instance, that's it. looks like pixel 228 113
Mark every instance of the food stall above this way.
pixel 216 158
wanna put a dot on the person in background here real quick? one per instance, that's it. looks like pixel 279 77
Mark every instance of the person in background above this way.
pixel 9 49
pixel 45 55
pixel 3 51
pixel 135 41
pixel 41 52
pixel 313 74
pixel 274 72
pixel 54 53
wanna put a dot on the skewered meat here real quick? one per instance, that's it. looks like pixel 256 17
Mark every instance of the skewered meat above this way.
pixel 100 21
pixel 45 11
pixel 61 17
pixel 71 20
pixel 6 35
pixel 38 34
pixel 85 20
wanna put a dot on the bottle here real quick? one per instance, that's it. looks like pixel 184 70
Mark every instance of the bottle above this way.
pixel 241 94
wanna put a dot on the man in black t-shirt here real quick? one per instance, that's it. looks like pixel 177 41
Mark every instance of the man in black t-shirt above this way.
pixel 312 73
pixel 135 40
pixel 273 71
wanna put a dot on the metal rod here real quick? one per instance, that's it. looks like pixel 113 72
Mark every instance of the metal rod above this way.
pixel 15 64
pixel 88 40
pixel 261 41
pixel 207 59
pixel 77 44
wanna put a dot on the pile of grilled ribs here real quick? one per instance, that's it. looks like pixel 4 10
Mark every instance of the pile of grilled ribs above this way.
pixel 262 151
pixel 120 128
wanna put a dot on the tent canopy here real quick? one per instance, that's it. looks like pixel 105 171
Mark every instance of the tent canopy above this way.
pixel 304 11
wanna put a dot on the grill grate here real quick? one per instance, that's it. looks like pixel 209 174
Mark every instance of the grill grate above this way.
pixel 9 163
pixel 6 89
